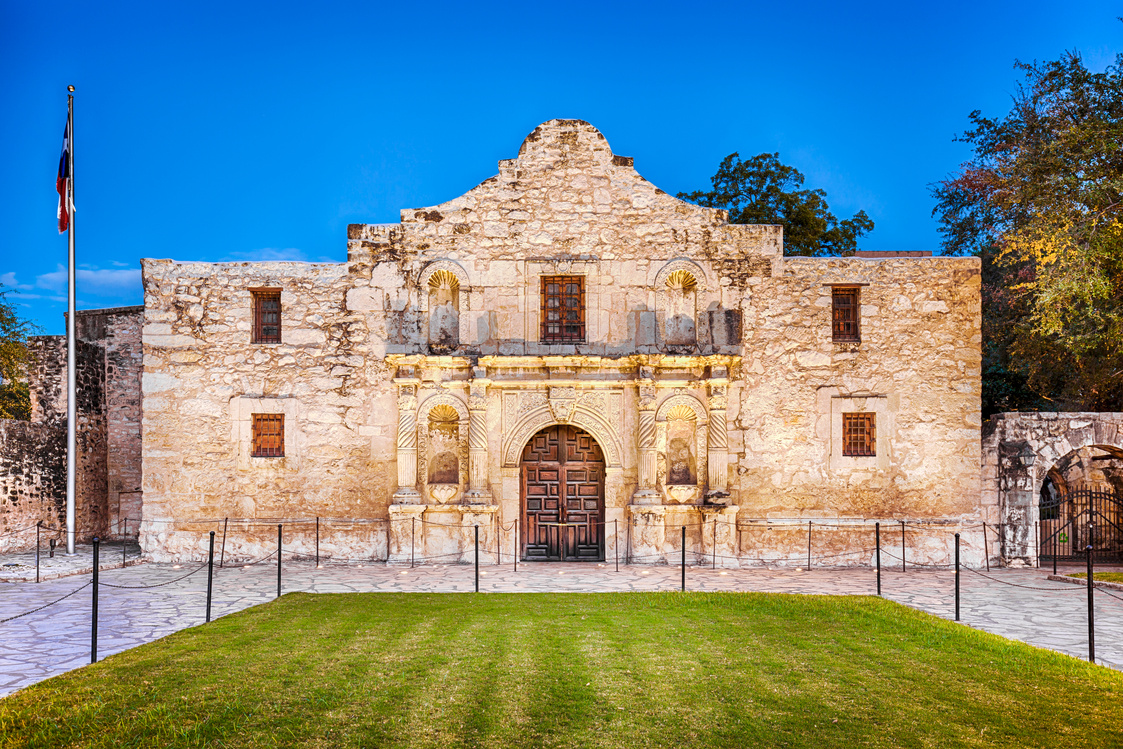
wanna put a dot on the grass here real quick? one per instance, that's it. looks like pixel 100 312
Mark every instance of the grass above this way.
pixel 1101 577
pixel 573 670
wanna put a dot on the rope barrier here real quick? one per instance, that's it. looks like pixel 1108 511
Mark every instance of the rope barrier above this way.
pixel 1066 589
pixel 155 585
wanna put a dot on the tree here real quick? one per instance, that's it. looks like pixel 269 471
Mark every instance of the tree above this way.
pixel 764 191
pixel 1041 203
pixel 15 400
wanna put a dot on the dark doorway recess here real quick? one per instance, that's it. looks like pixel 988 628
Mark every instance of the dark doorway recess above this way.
pixel 562 496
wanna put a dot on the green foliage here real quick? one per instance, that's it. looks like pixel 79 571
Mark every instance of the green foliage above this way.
pixel 764 191
pixel 1042 203
pixel 15 401
pixel 575 670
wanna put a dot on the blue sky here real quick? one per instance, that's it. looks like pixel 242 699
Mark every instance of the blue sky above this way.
pixel 242 131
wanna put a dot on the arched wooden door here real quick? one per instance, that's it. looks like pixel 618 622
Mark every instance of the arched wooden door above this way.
pixel 563 496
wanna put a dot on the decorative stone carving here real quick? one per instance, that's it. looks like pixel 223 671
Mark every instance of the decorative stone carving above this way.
pixel 563 401
pixel 449 267
pixel 718 493
pixel 477 439
pixel 407 445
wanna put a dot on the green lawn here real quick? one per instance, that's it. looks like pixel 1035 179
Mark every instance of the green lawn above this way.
pixel 1103 577
pixel 573 670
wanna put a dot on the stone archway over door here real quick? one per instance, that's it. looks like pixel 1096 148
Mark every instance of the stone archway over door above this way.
pixel 562 496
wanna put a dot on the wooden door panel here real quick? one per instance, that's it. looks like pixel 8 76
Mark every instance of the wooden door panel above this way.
pixel 563 496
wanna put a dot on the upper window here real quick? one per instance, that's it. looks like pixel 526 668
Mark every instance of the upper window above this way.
pixel 267 316
pixel 859 434
pixel 563 309
pixel 844 314
pixel 268 436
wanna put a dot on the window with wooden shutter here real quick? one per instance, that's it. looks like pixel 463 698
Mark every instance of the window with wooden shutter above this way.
pixel 859 434
pixel 268 436
pixel 844 314
pixel 563 309
pixel 267 316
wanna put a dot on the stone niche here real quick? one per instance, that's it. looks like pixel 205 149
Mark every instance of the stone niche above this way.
pixel 443 294
pixel 680 425
pixel 442 432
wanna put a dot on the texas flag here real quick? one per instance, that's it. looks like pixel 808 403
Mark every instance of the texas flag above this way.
pixel 62 184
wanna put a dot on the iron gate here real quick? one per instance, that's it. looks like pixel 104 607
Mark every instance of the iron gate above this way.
pixel 1073 520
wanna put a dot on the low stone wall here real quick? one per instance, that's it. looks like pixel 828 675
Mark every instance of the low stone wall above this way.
pixel 32 480
pixel 406 538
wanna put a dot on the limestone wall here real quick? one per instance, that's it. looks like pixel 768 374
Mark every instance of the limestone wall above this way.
pixel 682 311
pixel 33 453
pixel 203 379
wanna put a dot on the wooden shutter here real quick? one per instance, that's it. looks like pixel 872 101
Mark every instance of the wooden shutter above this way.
pixel 267 316
pixel 844 313
pixel 268 436
pixel 563 309
pixel 859 434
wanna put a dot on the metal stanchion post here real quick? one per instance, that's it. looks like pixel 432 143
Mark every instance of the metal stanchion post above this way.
pixel 1091 610
pixel 1055 552
pixel 957 577
pixel 808 544
pixel 616 541
pixel 38 528
pixel 903 569
pixel 986 547
pixel 1037 542
pixel 477 558
pixel 684 558
pixel 93 612
pixel 210 575
pixel 412 538
pixel 222 556
pixel 317 541
pixel 124 537
pixel 279 551
pixel 516 544
pixel 877 544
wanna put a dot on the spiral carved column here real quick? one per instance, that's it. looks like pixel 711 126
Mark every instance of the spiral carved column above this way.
pixel 407 445
pixel 478 492
pixel 646 493
pixel 718 453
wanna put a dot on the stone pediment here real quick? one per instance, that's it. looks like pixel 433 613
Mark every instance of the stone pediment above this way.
pixel 566 193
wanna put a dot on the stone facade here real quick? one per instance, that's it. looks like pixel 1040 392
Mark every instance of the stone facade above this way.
pixel 33 453
pixel 412 378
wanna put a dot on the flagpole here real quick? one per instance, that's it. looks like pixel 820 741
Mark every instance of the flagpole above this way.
pixel 71 347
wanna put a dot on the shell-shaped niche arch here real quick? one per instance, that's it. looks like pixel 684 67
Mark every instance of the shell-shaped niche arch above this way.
pixel 678 289
pixel 681 440
pixel 443 295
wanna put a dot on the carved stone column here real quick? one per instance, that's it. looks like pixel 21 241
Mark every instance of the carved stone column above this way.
pixel 478 491
pixel 407 493
pixel 646 493
pixel 718 453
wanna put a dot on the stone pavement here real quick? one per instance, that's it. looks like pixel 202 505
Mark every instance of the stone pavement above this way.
pixel 19 566
pixel 1043 613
